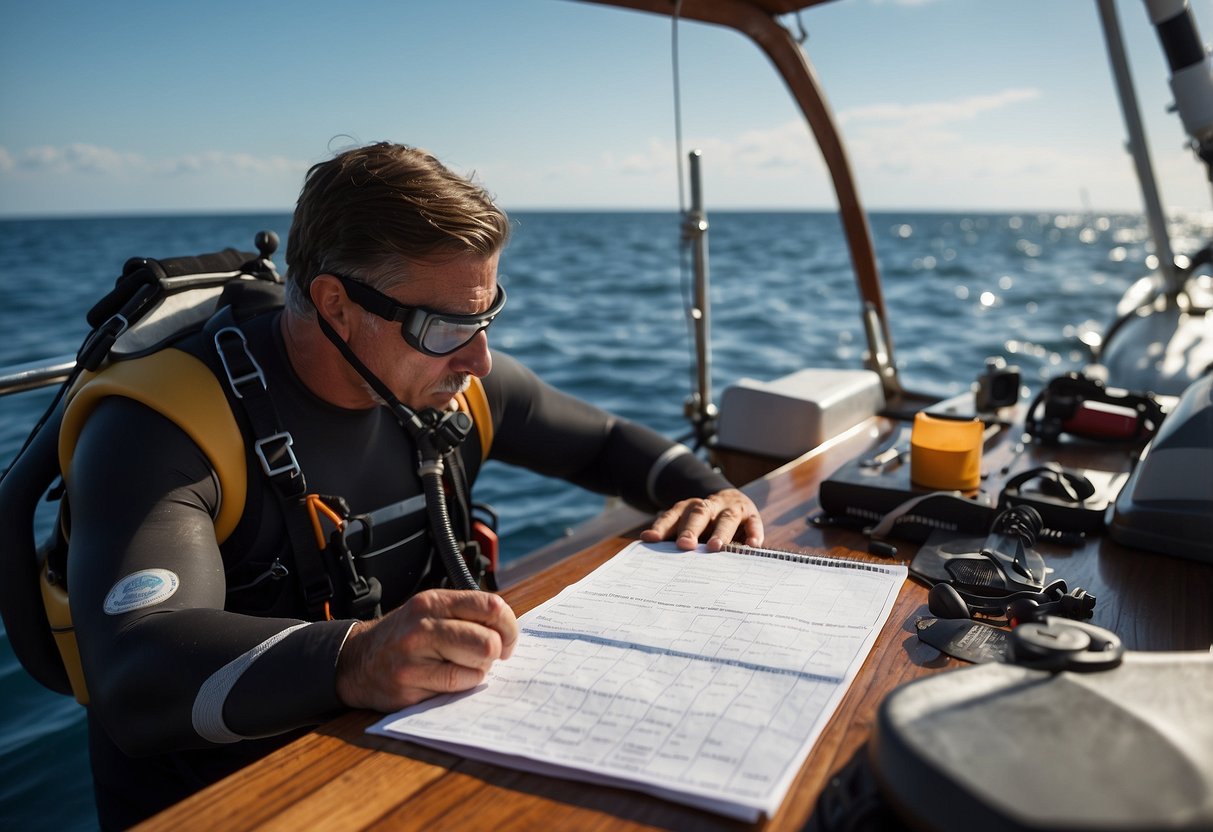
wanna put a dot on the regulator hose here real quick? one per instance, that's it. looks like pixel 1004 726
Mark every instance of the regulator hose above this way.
pixel 430 471
pixel 435 434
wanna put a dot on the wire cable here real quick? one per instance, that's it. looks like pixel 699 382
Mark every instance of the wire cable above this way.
pixel 684 255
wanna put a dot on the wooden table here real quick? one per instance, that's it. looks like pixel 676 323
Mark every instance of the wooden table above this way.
pixel 339 777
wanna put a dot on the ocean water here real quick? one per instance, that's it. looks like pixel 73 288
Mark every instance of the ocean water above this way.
pixel 597 308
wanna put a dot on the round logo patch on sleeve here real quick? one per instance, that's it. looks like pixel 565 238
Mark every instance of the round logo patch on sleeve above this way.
pixel 141 589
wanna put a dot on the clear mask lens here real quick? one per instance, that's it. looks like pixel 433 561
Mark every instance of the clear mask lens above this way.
pixel 443 337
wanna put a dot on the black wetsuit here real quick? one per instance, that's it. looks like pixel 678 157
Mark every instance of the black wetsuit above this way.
pixel 182 686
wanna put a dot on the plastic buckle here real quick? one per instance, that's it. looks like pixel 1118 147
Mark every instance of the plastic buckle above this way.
pixel 234 380
pixel 364 598
pixel 101 340
pixel 318 593
pixel 484 536
pixel 364 594
pixel 290 467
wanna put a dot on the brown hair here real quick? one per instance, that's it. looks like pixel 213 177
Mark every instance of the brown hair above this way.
pixel 370 210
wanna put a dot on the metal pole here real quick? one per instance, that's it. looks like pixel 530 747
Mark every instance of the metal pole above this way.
pixel 1137 144
pixel 36 374
pixel 699 407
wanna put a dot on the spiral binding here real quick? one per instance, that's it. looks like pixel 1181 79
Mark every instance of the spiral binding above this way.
pixel 817 558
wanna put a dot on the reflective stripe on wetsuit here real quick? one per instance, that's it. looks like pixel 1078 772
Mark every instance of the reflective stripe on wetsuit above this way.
pixel 207 713
pixel 650 482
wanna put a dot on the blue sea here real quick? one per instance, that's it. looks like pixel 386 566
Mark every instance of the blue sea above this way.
pixel 597 308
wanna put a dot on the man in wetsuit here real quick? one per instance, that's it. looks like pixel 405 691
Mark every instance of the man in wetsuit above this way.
pixel 200 655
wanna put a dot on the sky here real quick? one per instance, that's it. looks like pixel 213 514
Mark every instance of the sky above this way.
pixel 145 106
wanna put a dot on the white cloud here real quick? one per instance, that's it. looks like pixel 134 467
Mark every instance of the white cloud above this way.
pixel 788 146
pixel 217 162
pixel 878 129
pixel 654 159
pixel 931 154
pixel 75 158
pixel 83 178
pixel 935 112
pixel 88 159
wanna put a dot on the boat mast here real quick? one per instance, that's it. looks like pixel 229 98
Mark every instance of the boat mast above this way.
pixel 1137 145
pixel 700 409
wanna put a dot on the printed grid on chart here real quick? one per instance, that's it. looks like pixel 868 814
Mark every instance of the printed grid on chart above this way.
pixel 765 613
pixel 646 715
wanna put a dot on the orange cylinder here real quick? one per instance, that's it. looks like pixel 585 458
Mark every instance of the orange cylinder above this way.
pixel 945 454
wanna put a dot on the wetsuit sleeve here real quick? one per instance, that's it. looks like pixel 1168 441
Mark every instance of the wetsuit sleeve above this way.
pixel 166 667
pixel 552 433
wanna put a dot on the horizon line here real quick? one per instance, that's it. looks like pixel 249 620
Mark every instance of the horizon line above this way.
pixel 242 212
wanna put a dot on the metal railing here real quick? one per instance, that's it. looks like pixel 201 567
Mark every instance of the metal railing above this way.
pixel 36 374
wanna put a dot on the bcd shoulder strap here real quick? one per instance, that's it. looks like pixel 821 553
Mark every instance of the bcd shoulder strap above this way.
pixel 271 443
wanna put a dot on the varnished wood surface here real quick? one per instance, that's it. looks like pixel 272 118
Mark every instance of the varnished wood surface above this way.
pixel 340 778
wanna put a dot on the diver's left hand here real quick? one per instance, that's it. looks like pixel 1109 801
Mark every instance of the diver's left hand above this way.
pixel 722 514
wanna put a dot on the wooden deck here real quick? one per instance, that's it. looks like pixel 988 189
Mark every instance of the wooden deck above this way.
pixel 340 778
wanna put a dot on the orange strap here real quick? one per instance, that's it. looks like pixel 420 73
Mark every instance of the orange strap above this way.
pixel 315 507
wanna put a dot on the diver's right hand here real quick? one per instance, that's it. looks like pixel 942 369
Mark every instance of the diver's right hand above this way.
pixel 439 641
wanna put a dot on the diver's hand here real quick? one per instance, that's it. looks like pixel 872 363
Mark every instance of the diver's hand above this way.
pixel 723 514
pixel 439 641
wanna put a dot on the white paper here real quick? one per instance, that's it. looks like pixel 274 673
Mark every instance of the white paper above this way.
pixel 701 677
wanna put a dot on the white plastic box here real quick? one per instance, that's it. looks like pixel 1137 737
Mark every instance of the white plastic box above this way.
pixel 786 417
